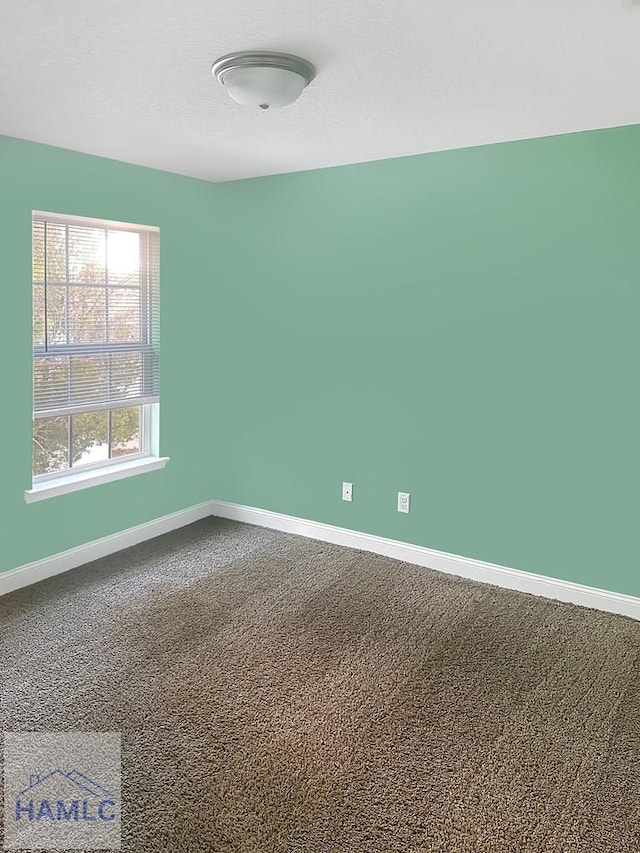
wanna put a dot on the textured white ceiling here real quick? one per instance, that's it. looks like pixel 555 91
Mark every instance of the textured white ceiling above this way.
pixel 130 79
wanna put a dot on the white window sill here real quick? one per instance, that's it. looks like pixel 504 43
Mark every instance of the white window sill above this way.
pixel 84 479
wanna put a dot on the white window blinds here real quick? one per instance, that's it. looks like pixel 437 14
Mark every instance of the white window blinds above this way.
pixel 95 315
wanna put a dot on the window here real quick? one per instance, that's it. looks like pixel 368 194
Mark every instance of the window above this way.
pixel 95 345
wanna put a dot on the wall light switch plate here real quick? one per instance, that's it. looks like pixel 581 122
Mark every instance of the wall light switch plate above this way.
pixel 404 502
pixel 347 491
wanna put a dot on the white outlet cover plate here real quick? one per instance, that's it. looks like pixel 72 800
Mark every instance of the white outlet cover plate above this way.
pixel 404 502
pixel 347 491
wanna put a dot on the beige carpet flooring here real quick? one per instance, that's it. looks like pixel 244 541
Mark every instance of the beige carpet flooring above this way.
pixel 279 694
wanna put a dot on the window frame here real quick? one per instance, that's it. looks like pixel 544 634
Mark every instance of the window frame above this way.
pixel 81 476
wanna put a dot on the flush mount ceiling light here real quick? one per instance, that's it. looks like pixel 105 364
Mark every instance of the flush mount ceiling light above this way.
pixel 263 79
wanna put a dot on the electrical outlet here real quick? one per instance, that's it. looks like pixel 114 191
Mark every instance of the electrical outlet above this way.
pixel 404 501
pixel 347 491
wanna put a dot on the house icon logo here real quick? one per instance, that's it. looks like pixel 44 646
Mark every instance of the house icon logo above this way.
pixel 62 790
pixel 59 797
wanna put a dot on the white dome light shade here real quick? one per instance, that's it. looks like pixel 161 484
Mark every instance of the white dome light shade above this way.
pixel 265 80
pixel 263 87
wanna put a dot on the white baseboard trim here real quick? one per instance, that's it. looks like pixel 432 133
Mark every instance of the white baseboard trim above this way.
pixel 465 567
pixel 62 562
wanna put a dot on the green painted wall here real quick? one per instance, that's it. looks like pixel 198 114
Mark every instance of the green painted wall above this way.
pixel 43 178
pixel 458 325
pixel 463 326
